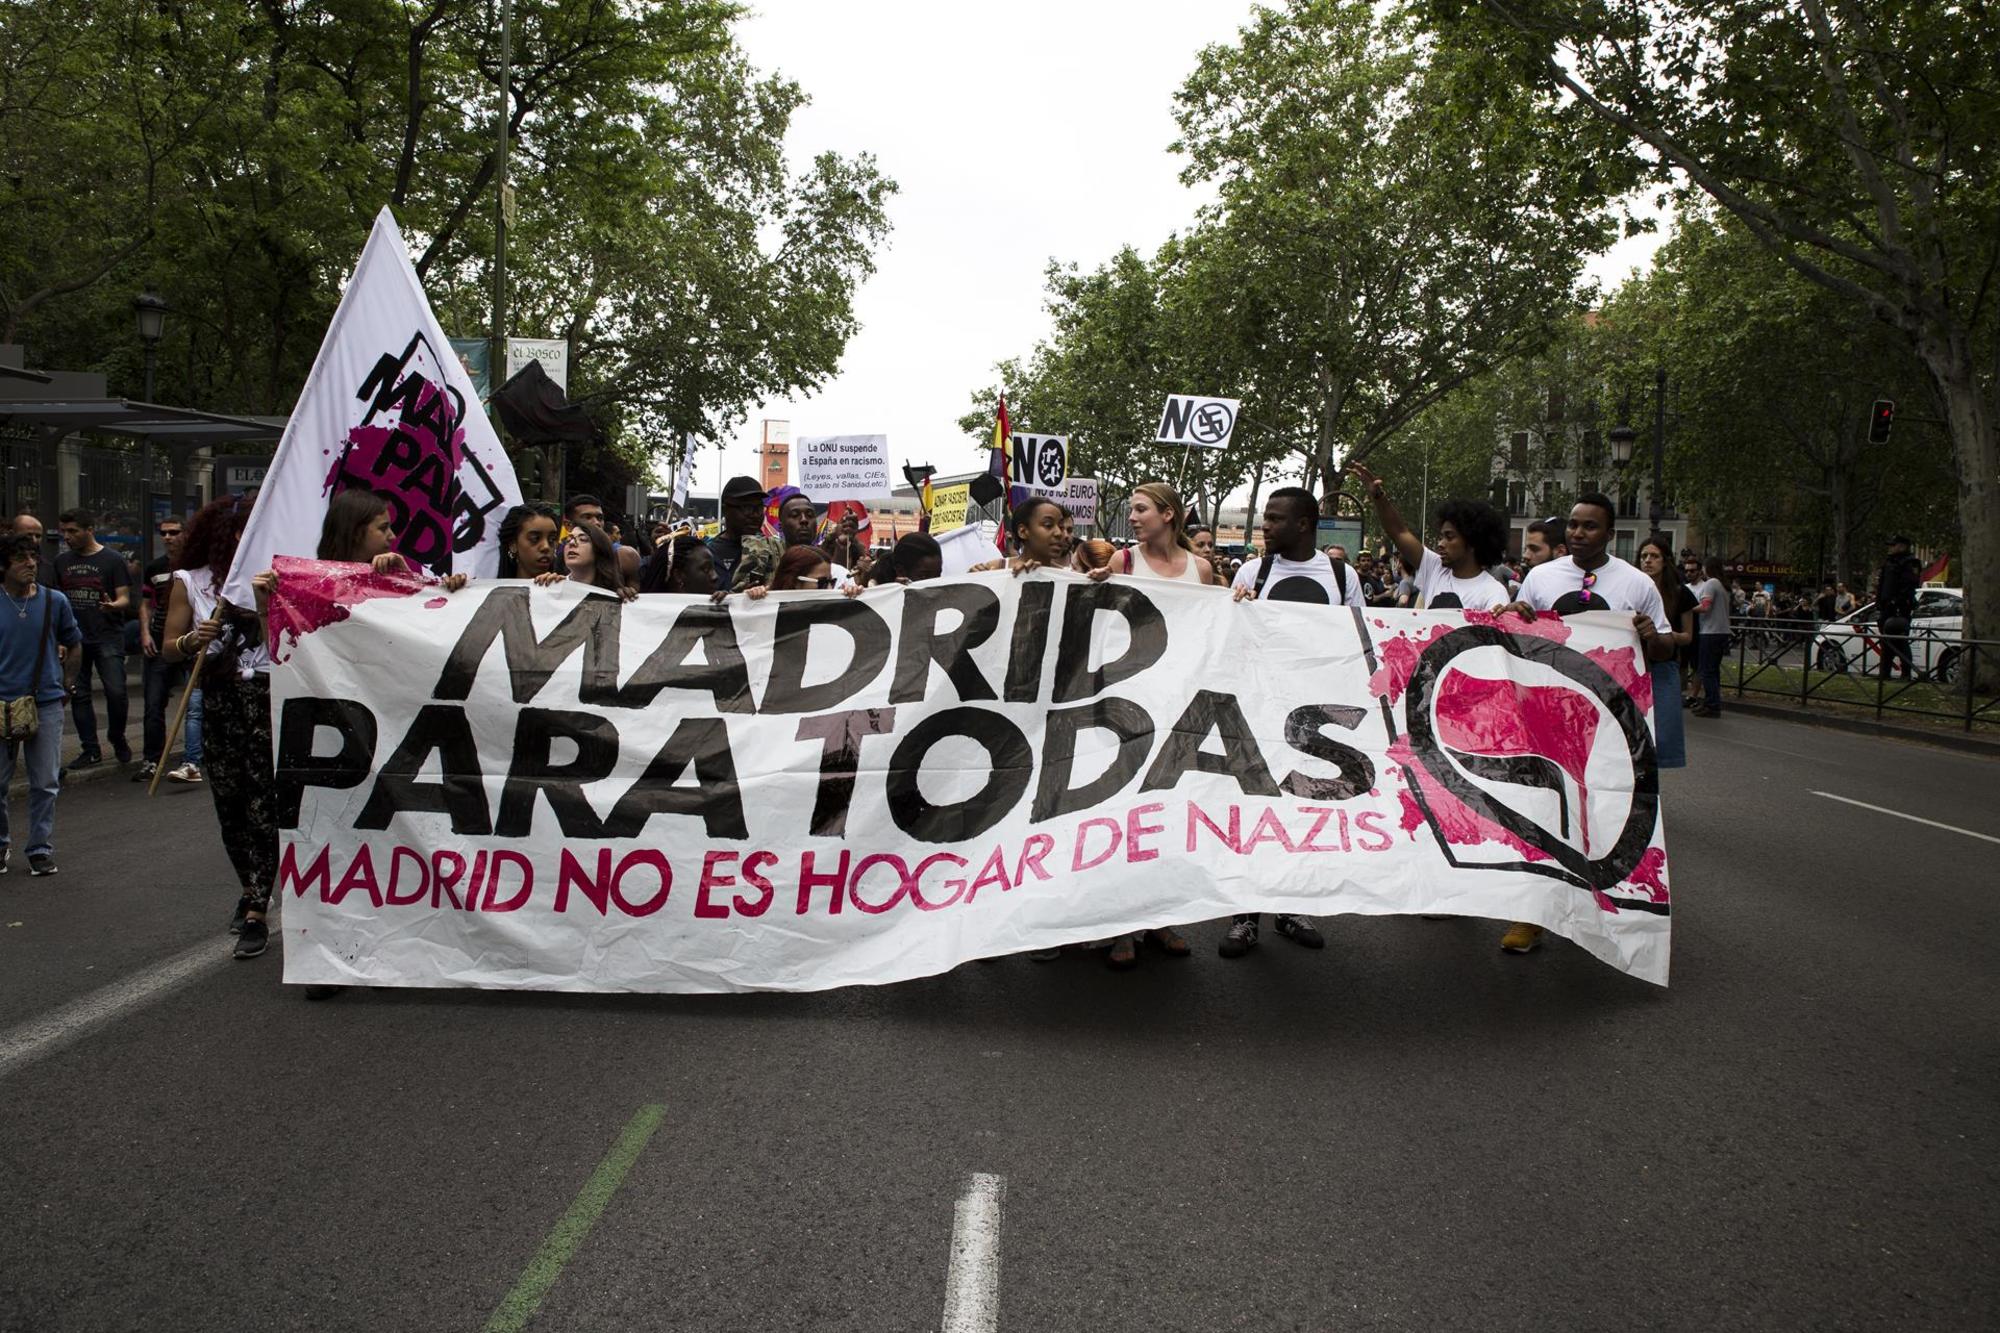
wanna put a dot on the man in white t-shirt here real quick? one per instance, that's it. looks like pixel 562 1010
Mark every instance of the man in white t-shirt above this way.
pixel 1290 570
pixel 1590 578
pixel 1471 540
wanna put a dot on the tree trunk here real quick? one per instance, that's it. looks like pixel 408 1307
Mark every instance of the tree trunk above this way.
pixel 1948 357
pixel 1837 496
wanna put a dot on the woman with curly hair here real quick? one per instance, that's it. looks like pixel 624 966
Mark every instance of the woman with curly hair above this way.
pixel 528 535
pixel 236 704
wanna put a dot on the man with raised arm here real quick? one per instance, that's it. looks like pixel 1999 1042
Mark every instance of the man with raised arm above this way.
pixel 1471 538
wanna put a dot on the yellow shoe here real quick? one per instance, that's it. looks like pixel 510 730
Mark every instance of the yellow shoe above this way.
pixel 1521 938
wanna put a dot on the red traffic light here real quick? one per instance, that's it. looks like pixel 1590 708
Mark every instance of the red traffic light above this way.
pixel 1879 421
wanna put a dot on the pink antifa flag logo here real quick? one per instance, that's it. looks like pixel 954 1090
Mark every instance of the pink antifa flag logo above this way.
pixel 1489 759
pixel 409 448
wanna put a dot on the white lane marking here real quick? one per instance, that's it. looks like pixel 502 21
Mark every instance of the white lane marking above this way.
pixel 972 1284
pixel 1914 819
pixel 48 1032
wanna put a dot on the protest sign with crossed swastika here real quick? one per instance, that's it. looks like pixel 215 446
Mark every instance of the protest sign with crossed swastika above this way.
pixel 1198 423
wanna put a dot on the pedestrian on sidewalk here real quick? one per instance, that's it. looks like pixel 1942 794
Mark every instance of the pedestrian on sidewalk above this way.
pixel 1895 602
pixel 1711 635
pixel 236 690
pixel 39 657
pixel 98 584
pixel 1656 561
pixel 165 680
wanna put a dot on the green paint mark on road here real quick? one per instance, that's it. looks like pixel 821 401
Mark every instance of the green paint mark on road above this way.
pixel 526 1298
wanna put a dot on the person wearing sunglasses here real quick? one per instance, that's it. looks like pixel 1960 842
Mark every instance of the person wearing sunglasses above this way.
pixel 1590 578
pixel 799 568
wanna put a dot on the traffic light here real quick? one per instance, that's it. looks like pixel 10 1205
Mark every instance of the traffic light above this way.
pixel 1879 421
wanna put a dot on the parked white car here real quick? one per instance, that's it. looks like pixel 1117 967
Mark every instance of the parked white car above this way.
pixel 1853 642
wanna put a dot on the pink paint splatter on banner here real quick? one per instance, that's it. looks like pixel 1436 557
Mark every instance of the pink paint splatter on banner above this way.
pixel 1651 874
pixel 1456 822
pixel 1505 718
pixel 437 604
pixel 1544 626
pixel 1618 664
pixel 1400 655
pixel 313 594
pixel 1413 814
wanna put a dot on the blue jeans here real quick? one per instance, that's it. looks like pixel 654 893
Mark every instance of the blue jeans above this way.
pixel 44 763
pixel 107 660
pixel 164 682
pixel 1669 734
pixel 1710 649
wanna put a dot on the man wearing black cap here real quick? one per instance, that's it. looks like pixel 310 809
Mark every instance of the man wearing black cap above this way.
pixel 1895 603
pixel 742 519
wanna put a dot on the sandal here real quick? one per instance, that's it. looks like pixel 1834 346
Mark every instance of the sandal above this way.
pixel 1124 953
pixel 1169 941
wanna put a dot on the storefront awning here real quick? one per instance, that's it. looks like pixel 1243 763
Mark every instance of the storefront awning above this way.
pixel 141 421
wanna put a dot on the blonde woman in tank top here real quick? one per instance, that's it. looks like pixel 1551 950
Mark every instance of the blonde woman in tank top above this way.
pixel 1161 548
pixel 1161 551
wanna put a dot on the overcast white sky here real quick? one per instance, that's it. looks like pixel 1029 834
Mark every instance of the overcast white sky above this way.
pixel 1017 134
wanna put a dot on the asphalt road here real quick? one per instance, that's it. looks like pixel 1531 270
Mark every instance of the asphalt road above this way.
pixel 1407 1131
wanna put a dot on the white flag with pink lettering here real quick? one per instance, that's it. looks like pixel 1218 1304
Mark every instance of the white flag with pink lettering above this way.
pixel 388 408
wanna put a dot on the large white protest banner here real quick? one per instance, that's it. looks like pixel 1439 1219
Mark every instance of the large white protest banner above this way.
pixel 388 408
pixel 844 467
pixel 522 786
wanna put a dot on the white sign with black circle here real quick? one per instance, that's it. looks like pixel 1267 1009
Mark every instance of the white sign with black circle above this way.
pixel 1041 462
pixel 1198 423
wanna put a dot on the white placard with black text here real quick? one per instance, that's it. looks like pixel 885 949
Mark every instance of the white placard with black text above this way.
pixel 1196 422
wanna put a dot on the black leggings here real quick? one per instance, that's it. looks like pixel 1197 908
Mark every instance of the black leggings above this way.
pixel 236 743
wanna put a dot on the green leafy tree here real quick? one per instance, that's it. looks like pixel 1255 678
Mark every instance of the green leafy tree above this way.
pixel 236 153
pixel 1855 142
pixel 1393 220
pixel 1773 380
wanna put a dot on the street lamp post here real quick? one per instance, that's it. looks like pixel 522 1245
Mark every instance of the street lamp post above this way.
pixel 1623 437
pixel 151 312
pixel 1656 510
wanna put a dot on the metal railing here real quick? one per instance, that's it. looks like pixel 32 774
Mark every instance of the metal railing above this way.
pixel 1842 666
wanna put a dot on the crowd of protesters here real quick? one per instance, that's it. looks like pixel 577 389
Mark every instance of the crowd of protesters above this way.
pixel 70 621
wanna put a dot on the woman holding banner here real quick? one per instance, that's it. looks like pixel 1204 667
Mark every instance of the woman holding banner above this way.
pixel 1039 530
pixel 528 540
pixel 800 568
pixel 359 530
pixel 590 558
pixel 1161 551
pixel 236 703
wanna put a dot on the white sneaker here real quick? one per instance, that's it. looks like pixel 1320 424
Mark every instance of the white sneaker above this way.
pixel 185 773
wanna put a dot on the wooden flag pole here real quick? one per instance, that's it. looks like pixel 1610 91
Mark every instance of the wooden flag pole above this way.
pixel 180 713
